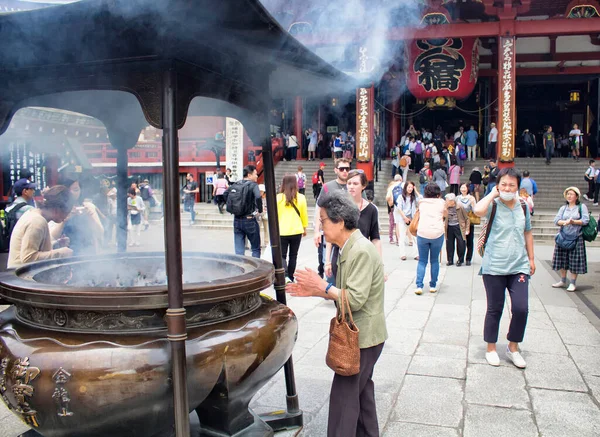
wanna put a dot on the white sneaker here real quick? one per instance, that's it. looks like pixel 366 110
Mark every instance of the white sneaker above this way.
pixel 585 196
pixel 492 358
pixel 433 289
pixel 516 358
pixel 571 287
pixel 419 291
pixel 596 204
pixel 559 284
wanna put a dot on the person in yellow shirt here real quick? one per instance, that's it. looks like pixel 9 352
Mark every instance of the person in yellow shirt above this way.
pixel 293 219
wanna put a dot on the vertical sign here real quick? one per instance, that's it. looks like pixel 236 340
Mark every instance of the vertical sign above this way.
pixel 364 124
pixel 234 148
pixel 506 96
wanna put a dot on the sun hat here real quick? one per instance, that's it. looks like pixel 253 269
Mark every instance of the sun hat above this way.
pixel 574 189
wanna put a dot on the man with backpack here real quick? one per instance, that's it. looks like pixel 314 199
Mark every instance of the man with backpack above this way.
pixel 342 167
pixel 148 197
pixel 24 190
pixel 244 201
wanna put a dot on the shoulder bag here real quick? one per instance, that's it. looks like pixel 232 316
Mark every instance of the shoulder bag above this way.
pixel 474 218
pixel 485 232
pixel 343 353
pixel 414 224
pixel 589 232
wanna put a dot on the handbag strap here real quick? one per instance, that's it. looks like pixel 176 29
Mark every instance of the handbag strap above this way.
pixel 345 303
pixel 297 212
pixel 489 224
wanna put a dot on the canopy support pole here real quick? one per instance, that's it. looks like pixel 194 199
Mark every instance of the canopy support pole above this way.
pixel 292 417
pixel 176 324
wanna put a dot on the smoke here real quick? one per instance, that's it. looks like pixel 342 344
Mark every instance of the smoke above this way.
pixel 342 27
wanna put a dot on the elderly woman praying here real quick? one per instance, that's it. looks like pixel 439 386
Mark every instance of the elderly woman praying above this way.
pixel 360 273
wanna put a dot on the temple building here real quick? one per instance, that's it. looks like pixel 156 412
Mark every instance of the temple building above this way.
pixel 434 64
pixel 521 64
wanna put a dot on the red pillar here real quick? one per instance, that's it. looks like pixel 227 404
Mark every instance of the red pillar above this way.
pixel 298 125
pixel 507 84
pixel 395 124
pixel 52 164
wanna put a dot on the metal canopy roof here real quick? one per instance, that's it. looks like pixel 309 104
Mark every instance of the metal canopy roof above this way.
pixel 228 50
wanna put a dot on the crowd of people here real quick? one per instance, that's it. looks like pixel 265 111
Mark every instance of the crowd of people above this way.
pixel 65 220
pixel 314 145
pixel 439 211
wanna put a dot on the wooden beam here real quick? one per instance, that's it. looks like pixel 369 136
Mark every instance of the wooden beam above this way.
pixel 548 57
pixel 544 71
pixel 531 28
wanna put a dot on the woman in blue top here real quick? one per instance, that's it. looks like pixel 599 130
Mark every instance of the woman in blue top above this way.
pixel 571 217
pixel 508 263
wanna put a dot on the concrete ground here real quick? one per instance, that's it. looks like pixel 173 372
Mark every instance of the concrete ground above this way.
pixel 432 378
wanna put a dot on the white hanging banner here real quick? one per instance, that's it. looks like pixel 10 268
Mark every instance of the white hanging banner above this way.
pixel 234 148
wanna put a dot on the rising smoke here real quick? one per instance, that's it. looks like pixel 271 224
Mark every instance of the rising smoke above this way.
pixel 335 20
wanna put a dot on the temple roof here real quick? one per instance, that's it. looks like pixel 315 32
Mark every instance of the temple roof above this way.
pixel 231 49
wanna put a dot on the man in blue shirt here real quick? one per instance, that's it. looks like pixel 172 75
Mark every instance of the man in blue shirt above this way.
pixel 528 184
pixel 471 142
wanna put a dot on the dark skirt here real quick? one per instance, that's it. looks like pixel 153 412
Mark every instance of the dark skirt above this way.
pixel 574 260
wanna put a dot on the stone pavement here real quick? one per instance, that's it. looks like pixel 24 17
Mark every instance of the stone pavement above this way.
pixel 432 379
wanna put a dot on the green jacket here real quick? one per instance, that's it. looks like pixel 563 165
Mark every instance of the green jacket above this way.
pixel 360 272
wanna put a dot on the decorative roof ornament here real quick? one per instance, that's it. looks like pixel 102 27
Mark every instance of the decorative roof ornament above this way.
pixel 583 11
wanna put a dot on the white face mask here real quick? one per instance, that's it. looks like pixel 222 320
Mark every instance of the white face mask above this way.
pixel 507 196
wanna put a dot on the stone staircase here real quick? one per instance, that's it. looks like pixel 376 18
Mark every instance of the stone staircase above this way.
pixel 551 180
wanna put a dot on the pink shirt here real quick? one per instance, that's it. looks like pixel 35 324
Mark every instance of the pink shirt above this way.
pixel 454 174
pixel 221 186
pixel 431 218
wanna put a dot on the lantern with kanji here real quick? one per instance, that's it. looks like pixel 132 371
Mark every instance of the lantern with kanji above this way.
pixel 442 69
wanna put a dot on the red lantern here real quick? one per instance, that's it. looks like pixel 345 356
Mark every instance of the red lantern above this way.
pixel 442 67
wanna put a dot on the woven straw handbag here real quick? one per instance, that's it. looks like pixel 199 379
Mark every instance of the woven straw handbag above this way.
pixel 343 353
pixel 414 224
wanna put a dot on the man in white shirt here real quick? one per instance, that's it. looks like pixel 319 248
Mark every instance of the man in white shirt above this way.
pixel 492 141
pixel 292 147
pixel 575 137
pixel 459 133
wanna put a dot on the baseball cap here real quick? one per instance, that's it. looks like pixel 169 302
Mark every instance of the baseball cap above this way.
pixel 322 164
pixel 23 184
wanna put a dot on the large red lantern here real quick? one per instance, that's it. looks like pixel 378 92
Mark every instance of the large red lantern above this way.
pixel 442 67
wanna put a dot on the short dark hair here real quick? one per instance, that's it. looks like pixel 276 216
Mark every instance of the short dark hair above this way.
pixel 526 174
pixel 432 191
pixel 511 172
pixel 342 161
pixel 592 161
pixel 339 206
pixel 363 177
pixel 248 170
pixel 58 197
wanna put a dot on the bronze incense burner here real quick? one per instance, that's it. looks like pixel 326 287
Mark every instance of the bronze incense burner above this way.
pixel 84 348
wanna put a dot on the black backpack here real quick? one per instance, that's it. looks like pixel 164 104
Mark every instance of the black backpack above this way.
pixel 397 192
pixel 145 192
pixel 240 201
pixel 10 221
